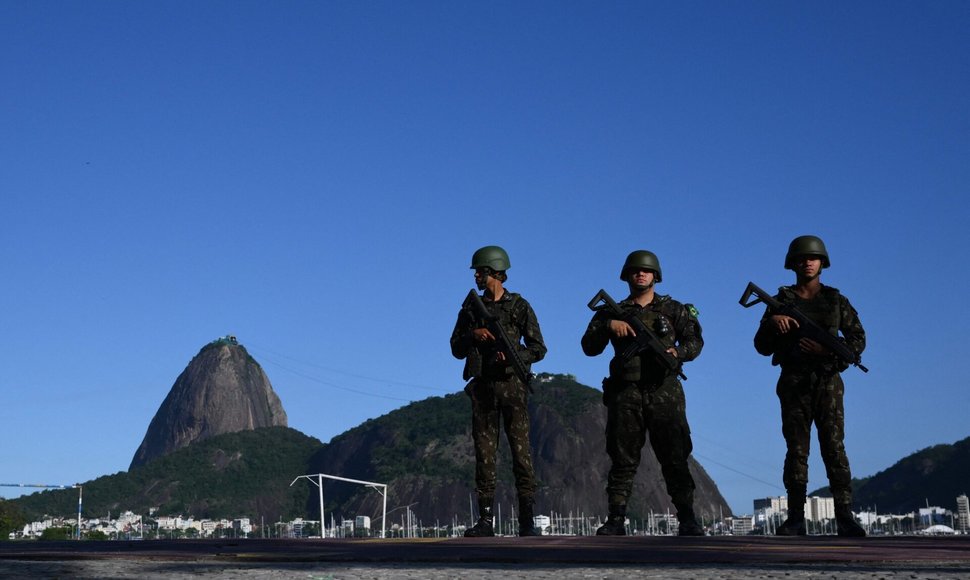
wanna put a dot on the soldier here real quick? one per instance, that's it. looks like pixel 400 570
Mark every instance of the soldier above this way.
pixel 810 387
pixel 643 395
pixel 495 390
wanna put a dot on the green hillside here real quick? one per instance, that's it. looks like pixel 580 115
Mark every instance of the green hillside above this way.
pixel 237 474
pixel 423 451
pixel 936 475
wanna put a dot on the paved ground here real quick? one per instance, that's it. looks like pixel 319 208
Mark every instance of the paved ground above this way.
pixel 555 558
pixel 176 570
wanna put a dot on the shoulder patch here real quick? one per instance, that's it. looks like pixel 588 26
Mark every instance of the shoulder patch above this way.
pixel 692 310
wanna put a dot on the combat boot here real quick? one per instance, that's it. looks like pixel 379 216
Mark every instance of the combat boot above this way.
pixel 527 525
pixel 795 524
pixel 845 522
pixel 484 528
pixel 688 522
pixel 616 522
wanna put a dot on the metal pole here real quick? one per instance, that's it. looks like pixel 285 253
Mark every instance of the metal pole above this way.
pixel 323 523
pixel 384 516
pixel 80 493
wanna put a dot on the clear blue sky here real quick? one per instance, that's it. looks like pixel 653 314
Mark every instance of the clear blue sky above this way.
pixel 314 176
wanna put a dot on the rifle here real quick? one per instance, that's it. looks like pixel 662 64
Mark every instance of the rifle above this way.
pixel 644 341
pixel 474 303
pixel 806 326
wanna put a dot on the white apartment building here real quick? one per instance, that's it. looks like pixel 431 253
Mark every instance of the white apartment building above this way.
pixel 209 526
pixel 770 506
pixel 963 514
pixel 242 526
pixel 742 525
pixel 819 509
pixel 168 522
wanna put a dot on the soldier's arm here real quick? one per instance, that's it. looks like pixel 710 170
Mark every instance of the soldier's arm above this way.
pixel 535 346
pixel 461 336
pixel 766 339
pixel 690 340
pixel 597 335
pixel 851 327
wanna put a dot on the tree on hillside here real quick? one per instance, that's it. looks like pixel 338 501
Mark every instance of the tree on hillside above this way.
pixel 11 519
pixel 56 534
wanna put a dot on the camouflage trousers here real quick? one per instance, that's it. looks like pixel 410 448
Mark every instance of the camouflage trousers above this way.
pixel 507 401
pixel 814 397
pixel 632 411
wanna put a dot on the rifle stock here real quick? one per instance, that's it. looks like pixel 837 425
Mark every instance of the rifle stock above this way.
pixel 806 326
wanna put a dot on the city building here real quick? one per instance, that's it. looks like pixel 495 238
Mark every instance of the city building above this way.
pixel 770 512
pixel 241 527
pixel 544 523
pixel 933 516
pixel 819 509
pixel 299 528
pixel 742 525
pixel 168 522
pixel 768 515
pixel 770 506
pixel 963 514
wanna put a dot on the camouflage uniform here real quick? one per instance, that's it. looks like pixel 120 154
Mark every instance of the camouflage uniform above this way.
pixel 497 392
pixel 811 390
pixel 643 396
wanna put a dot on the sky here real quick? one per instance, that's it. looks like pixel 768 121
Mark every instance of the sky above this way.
pixel 313 178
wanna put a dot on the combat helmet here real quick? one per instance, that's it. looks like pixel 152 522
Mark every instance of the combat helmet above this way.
pixel 642 259
pixel 492 257
pixel 806 246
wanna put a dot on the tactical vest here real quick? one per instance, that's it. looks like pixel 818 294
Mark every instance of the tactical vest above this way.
pixel 825 310
pixel 479 362
pixel 644 368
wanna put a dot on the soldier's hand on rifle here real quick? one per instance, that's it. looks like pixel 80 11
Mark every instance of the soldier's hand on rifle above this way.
pixel 783 324
pixel 809 346
pixel 673 352
pixel 621 328
pixel 483 335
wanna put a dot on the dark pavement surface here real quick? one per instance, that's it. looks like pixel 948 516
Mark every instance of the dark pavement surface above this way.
pixel 545 558
pixel 543 550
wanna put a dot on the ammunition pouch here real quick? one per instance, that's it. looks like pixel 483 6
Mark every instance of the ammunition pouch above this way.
pixel 613 387
pixel 473 365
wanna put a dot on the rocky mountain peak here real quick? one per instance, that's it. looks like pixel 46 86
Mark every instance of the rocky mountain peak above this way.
pixel 222 390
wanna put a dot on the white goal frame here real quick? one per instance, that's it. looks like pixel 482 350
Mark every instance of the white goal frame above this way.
pixel 319 483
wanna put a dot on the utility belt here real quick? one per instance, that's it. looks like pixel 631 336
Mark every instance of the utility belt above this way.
pixel 612 386
pixel 815 374
pixel 804 366
pixel 640 370
pixel 485 385
pixel 796 361
pixel 497 373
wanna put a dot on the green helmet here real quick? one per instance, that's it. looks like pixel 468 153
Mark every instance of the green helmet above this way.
pixel 806 246
pixel 492 257
pixel 642 259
